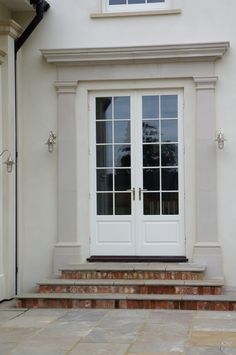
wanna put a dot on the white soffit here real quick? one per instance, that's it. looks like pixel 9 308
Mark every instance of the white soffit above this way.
pixel 194 52
pixel 17 5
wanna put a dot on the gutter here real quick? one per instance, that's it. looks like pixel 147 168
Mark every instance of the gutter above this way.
pixel 40 6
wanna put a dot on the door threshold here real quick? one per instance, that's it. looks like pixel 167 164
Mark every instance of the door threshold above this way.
pixel 137 259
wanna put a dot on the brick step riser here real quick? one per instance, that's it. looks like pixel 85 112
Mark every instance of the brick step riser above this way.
pixel 128 304
pixel 137 289
pixel 133 275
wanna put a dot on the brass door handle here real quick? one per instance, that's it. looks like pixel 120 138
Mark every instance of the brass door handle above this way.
pixel 140 192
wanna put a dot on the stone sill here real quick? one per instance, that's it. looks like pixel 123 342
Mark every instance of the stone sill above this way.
pixel 134 14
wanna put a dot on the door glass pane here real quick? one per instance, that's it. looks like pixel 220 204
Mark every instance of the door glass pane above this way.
pixel 169 130
pixel 105 204
pixel 122 107
pixel 123 204
pixel 136 1
pixel 150 155
pixel 150 106
pixel 151 203
pixel 104 180
pixel 122 132
pixel 169 107
pixel 170 203
pixel 152 1
pixel 104 156
pixel 117 2
pixel 104 132
pixel 169 154
pixel 122 155
pixel 103 108
pixel 151 179
pixel 169 179
pixel 150 131
pixel 122 179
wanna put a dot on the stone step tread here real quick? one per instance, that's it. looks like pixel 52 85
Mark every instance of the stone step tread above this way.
pixel 121 282
pixel 185 267
pixel 140 297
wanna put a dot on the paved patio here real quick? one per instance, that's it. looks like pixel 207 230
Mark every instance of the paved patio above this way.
pixel 116 332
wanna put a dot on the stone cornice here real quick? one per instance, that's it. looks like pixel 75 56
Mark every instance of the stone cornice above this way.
pixel 195 52
pixel 10 28
pixel 2 55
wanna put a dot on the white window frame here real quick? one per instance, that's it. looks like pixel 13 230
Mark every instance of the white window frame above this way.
pixel 135 7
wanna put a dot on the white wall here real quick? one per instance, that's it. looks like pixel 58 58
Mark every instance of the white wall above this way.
pixel 68 25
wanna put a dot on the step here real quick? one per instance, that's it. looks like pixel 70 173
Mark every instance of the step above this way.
pixel 135 271
pixel 194 287
pixel 122 301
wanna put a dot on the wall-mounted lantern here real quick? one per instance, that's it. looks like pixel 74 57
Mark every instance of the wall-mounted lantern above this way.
pixel 51 141
pixel 220 139
pixel 9 162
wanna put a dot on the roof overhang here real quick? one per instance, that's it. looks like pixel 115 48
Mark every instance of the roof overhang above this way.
pixel 17 5
pixel 194 52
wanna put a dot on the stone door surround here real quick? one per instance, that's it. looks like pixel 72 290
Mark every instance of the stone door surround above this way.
pixel 194 61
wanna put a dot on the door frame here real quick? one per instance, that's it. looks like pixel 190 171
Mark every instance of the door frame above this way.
pixel 92 157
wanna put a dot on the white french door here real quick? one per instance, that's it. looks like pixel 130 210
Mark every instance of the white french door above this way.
pixel 137 187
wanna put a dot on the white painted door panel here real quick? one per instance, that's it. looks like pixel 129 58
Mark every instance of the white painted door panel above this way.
pixel 137 190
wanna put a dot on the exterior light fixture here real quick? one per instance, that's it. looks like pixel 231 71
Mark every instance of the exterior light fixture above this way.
pixel 9 162
pixel 220 139
pixel 51 141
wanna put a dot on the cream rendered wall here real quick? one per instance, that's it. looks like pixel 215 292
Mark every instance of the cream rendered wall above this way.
pixel 68 25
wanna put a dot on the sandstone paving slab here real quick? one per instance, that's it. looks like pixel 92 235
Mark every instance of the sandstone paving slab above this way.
pixel 183 318
pixel 160 338
pixel 215 315
pixel 213 338
pixel 126 324
pixel 94 315
pixel 228 351
pixel 70 329
pixel 158 353
pixel 100 349
pixel 5 348
pixel 9 314
pixel 208 324
pixel 175 345
pixel 105 335
pixel 39 350
pixel 164 330
pixel 47 312
pixel 12 335
pixel 210 351
pixel 130 314
pixel 63 342
pixel 29 322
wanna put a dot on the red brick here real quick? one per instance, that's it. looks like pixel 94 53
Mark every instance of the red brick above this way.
pixel 188 305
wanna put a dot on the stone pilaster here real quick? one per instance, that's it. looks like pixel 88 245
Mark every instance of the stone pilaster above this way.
pixel 9 31
pixel 207 248
pixel 67 249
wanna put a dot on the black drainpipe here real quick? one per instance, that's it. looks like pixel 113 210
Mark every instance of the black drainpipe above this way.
pixel 40 6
